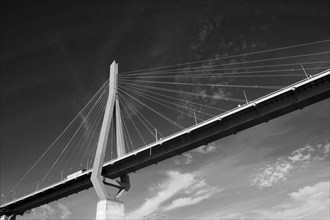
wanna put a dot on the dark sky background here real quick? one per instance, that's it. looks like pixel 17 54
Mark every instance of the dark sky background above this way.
pixel 56 54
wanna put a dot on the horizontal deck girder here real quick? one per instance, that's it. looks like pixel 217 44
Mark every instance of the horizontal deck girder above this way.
pixel 288 99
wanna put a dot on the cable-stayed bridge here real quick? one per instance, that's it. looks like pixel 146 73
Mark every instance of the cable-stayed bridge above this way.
pixel 169 110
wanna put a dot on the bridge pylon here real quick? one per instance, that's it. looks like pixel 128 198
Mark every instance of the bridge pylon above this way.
pixel 109 206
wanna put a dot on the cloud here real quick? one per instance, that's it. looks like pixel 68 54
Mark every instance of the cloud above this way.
pixel 206 149
pixel 307 202
pixel 43 212
pixel 272 174
pixel 171 186
pixel 189 157
pixel 279 171
pixel 47 211
pixel 182 189
pixel 64 211
pixel 185 201
pixel 196 197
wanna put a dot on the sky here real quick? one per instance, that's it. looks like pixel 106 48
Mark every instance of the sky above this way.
pixel 56 54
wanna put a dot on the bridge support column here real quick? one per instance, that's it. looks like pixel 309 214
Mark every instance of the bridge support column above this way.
pixel 110 209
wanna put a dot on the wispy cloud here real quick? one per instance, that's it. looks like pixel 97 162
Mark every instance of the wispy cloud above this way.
pixel 64 211
pixel 174 183
pixel 47 211
pixel 279 171
pixel 309 202
pixel 206 149
pixel 185 201
pixel 178 190
pixel 42 212
pixel 272 174
pixel 189 157
pixel 306 202
pixel 196 197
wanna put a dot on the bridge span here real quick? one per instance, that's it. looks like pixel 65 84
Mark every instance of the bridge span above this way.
pixel 288 99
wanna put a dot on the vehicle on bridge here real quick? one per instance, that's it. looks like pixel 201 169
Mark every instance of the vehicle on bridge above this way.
pixel 76 174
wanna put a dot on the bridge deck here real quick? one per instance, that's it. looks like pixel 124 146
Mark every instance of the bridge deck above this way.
pixel 283 101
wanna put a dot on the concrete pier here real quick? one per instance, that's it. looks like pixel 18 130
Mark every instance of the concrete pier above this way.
pixel 110 209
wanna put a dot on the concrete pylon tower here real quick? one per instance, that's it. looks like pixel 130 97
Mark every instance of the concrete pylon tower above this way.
pixel 109 206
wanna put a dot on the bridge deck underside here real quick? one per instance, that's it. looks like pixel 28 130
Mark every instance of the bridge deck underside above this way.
pixel 249 116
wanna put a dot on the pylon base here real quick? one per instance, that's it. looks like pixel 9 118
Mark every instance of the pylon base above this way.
pixel 110 209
